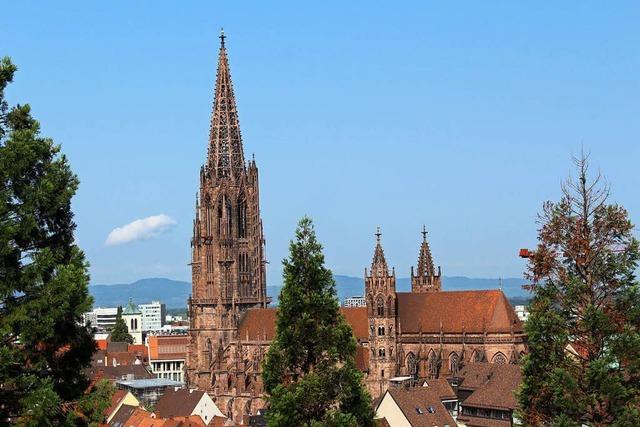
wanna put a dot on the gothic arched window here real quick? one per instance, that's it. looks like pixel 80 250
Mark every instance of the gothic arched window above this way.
pixel 412 366
pixel 433 364
pixel 242 217
pixel 499 359
pixel 453 363
pixel 381 330
pixel 229 218
pixel 380 306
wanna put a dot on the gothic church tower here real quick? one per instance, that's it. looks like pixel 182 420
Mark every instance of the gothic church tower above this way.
pixel 228 267
pixel 380 289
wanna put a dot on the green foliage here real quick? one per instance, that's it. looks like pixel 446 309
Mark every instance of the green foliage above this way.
pixel 43 274
pixel 309 372
pixel 94 404
pixel 583 331
pixel 119 332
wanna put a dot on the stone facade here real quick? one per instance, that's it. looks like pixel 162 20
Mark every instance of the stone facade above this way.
pixel 228 268
pixel 425 333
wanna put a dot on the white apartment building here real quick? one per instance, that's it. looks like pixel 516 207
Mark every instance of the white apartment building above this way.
pixel 153 316
pixel 355 302
pixel 522 312
pixel 102 318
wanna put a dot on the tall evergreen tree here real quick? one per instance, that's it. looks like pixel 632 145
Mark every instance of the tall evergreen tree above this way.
pixel 43 274
pixel 310 373
pixel 583 365
pixel 119 332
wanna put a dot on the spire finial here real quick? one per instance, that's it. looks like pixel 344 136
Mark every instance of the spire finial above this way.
pixel 222 37
pixel 424 232
pixel 378 234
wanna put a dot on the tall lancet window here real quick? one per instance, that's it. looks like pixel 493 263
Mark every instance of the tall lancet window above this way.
pixel 229 219
pixel 242 218
pixel 380 306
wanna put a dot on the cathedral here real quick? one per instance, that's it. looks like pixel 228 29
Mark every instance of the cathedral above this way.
pixel 425 333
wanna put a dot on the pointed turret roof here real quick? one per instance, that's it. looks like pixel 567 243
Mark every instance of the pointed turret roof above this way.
pixel 226 158
pixel 131 308
pixel 379 263
pixel 425 262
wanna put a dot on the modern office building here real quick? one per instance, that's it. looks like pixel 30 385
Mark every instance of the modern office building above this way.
pixel 167 354
pixel 102 318
pixel 153 316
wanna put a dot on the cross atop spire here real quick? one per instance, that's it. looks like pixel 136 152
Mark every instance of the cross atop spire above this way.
pixel 379 264
pixel 226 157
pixel 222 37
pixel 425 261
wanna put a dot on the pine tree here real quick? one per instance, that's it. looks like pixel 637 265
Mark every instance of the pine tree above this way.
pixel 310 374
pixel 43 274
pixel 583 365
pixel 119 332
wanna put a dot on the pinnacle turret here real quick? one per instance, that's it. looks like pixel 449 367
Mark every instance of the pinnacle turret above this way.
pixel 379 264
pixel 425 261
pixel 425 278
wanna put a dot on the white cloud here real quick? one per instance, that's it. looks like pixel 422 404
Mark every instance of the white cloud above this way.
pixel 140 229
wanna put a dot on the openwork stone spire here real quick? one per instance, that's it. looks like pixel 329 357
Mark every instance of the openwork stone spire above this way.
pixel 379 264
pixel 225 157
pixel 425 278
pixel 425 262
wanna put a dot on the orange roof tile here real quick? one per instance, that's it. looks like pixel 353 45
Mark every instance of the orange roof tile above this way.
pixel 115 400
pixel 494 385
pixel 260 323
pixel 362 358
pixel 455 311
pixel 422 407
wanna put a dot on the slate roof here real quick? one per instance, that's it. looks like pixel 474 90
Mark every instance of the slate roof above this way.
pixel 178 403
pixel 455 311
pixel 422 407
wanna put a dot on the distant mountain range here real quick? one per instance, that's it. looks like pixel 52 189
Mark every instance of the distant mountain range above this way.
pixel 174 293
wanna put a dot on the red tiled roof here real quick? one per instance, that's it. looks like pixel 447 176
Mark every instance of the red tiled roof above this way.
pixel 482 422
pixel 495 385
pixel 362 358
pixel 178 403
pixel 415 403
pixel 357 318
pixel 442 388
pixel 124 413
pixel 115 400
pixel 260 323
pixel 455 311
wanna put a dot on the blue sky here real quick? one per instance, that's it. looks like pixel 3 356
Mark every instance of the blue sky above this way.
pixel 459 115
